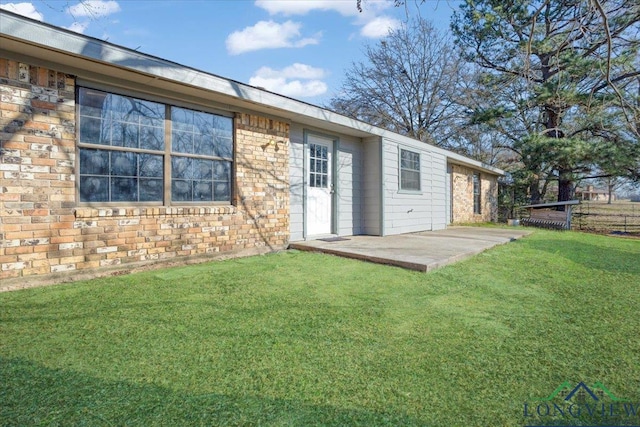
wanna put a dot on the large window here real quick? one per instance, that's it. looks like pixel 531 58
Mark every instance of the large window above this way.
pixel 477 205
pixel 124 142
pixel 409 170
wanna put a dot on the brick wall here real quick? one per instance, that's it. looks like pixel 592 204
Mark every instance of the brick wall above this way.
pixel 462 195
pixel 43 230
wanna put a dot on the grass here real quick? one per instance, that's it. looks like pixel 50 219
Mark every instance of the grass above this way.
pixel 307 339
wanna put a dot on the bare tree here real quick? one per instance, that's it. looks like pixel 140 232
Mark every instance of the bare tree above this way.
pixel 408 84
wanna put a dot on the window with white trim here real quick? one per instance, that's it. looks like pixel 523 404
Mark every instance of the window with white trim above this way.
pixel 124 141
pixel 409 170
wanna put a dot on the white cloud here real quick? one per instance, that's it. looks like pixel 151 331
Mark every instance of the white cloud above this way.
pixel 24 9
pixel 288 7
pixel 372 23
pixel 297 80
pixel 94 8
pixel 379 27
pixel 78 27
pixel 295 71
pixel 268 35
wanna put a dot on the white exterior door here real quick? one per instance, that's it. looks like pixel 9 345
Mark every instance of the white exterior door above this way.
pixel 319 185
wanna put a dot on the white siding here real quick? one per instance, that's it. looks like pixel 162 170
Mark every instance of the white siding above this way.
pixel 439 191
pixel 296 180
pixel 349 186
pixel 348 178
pixel 371 187
pixel 404 211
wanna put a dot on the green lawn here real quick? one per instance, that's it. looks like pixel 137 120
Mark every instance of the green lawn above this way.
pixel 307 339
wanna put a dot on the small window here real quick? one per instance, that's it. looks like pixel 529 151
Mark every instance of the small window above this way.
pixel 477 205
pixel 318 166
pixel 409 170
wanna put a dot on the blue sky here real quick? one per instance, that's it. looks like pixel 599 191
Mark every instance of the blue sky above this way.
pixel 299 48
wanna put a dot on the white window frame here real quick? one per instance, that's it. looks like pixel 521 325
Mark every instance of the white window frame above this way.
pixel 418 171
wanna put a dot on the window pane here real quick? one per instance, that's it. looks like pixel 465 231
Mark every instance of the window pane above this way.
pixel 151 113
pixel 206 134
pixel 121 107
pixel 181 191
pixel 203 169
pixel 124 135
pixel 222 192
pixel 203 144
pixel 124 164
pixel 151 190
pixel 94 162
pixel 151 138
pixel 94 189
pixel 111 119
pixel 91 102
pixel 120 170
pixel 410 180
pixel 202 122
pixel 151 165
pixel 202 191
pixel 223 136
pixel 91 131
pixel 182 119
pixel 222 171
pixel 124 189
pixel 223 126
pixel 181 167
pixel 182 142
pixel 223 147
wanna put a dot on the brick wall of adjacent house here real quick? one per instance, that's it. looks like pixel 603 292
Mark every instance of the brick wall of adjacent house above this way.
pixel 43 230
pixel 462 196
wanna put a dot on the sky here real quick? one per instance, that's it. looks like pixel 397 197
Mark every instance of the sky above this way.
pixel 297 48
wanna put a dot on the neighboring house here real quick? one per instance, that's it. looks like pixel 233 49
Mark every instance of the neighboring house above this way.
pixel 112 157
pixel 593 194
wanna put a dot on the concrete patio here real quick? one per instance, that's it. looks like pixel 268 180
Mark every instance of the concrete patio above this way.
pixel 416 251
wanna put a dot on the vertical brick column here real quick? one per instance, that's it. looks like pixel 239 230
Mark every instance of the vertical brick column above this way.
pixel 262 177
pixel 37 156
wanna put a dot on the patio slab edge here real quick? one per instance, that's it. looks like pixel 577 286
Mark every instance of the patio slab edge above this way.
pixel 409 255
pixel 362 257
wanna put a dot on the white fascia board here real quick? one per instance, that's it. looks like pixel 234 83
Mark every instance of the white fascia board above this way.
pixel 465 161
pixel 25 30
